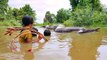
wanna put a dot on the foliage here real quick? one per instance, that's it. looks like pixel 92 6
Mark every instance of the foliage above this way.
pixel 89 18
pixel 16 13
pixel 13 16
pixel 79 18
pixel 74 3
pixel 86 13
pixel 3 8
pixel 10 23
pixel 94 4
pixel 25 10
pixel 49 18
pixel 62 15
pixel 68 23
pixel 99 18
pixel 9 15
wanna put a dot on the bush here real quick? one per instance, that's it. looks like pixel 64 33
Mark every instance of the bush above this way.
pixel 10 23
pixel 87 17
pixel 68 23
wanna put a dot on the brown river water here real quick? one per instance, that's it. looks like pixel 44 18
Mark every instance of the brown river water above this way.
pixel 61 46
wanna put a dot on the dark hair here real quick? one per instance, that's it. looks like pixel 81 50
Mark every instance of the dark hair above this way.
pixel 47 32
pixel 26 20
pixel 35 30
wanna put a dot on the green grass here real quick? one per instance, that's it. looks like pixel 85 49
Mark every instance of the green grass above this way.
pixel 3 38
pixel 10 23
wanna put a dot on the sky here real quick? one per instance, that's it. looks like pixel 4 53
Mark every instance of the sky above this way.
pixel 41 6
pixel 104 2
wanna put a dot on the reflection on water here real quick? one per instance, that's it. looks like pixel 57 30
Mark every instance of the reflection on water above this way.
pixel 54 49
pixel 63 46
pixel 102 49
pixel 85 46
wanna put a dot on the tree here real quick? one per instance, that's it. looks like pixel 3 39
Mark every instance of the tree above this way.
pixel 94 4
pixel 63 15
pixel 9 14
pixel 74 3
pixel 3 7
pixel 53 18
pixel 27 10
pixel 15 13
pixel 49 18
pixel 86 13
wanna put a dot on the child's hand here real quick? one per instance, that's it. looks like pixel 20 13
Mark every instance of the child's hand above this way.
pixel 40 36
pixel 11 28
pixel 10 31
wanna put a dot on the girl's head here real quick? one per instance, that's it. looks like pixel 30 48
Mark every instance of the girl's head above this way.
pixel 27 20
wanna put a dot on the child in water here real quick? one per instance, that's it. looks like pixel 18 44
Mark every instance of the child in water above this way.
pixel 25 36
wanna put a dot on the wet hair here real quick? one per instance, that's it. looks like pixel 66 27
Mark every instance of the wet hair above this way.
pixel 26 20
pixel 47 32
pixel 35 30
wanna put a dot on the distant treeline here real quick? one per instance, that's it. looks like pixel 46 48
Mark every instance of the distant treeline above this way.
pixel 81 13
pixel 12 16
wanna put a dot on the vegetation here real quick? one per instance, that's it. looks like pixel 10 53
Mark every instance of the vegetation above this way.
pixel 94 4
pixel 49 18
pixel 81 13
pixel 10 23
pixel 63 15
pixel 79 18
pixel 12 17
pixel 25 10
pixel 86 13
pixel 3 8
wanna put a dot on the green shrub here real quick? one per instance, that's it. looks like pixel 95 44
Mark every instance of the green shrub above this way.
pixel 10 23
pixel 87 17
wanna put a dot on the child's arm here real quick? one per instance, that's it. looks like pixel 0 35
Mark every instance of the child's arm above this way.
pixel 40 36
pixel 12 29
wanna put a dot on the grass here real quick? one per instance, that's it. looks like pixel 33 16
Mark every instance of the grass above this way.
pixel 6 38
pixel 3 25
pixel 10 23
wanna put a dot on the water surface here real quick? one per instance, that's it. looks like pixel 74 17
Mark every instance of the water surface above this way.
pixel 61 46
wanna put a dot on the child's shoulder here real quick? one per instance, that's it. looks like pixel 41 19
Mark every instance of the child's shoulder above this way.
pixel 26 31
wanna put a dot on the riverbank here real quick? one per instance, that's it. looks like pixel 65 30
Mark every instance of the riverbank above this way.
pixel 10 23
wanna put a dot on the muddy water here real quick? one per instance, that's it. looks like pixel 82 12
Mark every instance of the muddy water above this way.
pixel 89 46
pixel 62 46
